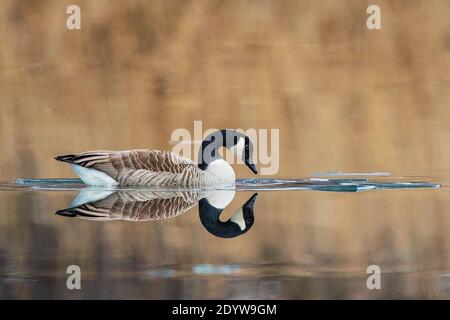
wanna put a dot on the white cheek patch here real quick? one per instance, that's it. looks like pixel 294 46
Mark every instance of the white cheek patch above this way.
pixel 93 177
pixel 238 218
pixel 238 148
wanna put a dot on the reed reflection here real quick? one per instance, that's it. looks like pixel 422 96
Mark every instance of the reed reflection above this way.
pixel 160 205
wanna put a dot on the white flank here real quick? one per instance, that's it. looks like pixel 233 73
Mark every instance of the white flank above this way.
pixel 86 196
pixel 93 177
pixel 220 198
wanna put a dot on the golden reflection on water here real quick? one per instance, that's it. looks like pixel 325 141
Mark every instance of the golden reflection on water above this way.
pixel 318 246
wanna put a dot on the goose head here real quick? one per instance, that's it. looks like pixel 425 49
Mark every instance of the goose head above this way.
pixel 237 225
pixel 234 141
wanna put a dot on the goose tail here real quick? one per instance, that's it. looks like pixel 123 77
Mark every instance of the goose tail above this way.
pixel 86 211
pixel 66 158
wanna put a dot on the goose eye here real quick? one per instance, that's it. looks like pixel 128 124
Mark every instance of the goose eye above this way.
pixel 248 221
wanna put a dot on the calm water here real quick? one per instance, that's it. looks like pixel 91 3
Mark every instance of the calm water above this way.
pixel 297 243
pixel 342 96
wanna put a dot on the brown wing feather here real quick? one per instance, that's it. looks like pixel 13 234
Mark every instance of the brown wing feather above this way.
pixel 114 163
pixel 138 206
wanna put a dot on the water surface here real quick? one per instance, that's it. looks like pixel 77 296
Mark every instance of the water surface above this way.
pixel 304 243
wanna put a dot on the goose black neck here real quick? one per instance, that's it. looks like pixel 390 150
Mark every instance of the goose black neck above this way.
pixel 209 151
pixel 210 219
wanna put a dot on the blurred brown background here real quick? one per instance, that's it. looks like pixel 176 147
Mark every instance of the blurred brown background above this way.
pixel 344 98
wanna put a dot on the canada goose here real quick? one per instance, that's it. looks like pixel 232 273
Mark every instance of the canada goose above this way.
pixel 159 205
pixel 163 168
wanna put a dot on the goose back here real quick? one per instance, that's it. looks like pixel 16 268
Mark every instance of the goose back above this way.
pixel 142 167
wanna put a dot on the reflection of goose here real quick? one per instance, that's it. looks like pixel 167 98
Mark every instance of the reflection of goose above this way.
pixel 134 205
pixel 162 168
pixel 238 224
pixel 156 205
